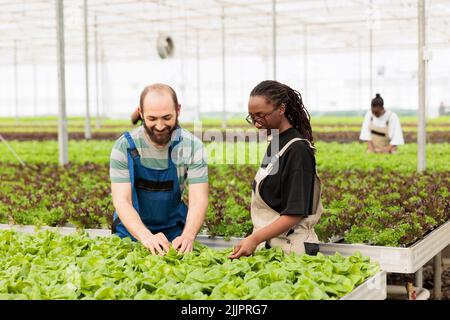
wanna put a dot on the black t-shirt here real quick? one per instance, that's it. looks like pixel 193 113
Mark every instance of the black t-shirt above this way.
pixel 290 190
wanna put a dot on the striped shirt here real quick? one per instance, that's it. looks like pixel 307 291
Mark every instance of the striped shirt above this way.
pixel 189 157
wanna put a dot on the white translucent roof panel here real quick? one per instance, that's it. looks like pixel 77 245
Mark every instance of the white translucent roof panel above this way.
pixel 127 29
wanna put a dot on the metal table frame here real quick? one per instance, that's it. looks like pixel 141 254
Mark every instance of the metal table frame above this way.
pixel 404 260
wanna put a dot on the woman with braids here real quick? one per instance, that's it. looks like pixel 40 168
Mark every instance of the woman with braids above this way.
pixel 381 128
pixel 286 191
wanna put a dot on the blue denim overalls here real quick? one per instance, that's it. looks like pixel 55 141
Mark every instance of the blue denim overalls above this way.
pixel 156 195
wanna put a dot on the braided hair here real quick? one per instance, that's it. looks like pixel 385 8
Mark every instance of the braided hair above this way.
pixel 296 113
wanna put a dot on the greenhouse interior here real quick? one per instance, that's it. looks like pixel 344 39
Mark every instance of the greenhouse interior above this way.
pixel 225 150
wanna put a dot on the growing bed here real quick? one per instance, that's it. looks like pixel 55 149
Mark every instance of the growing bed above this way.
pixel 356 275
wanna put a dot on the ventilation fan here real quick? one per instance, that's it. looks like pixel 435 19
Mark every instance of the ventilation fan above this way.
pixel 165 46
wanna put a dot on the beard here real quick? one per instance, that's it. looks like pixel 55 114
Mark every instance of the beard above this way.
pixel 162 137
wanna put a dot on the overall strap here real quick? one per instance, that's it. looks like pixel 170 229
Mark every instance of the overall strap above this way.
pixel 280 153
pixel 287 145
pixel 133 150
pixel 283 150
pixel 133 157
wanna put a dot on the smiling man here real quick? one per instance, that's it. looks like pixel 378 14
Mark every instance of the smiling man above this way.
pixel 149 169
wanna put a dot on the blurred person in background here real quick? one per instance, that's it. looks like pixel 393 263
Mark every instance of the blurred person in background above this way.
pixel 135 116
pixel 381 128
pixel 286 191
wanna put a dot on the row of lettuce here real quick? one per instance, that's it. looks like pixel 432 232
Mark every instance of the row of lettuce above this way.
pixel 330 156
pixel 442 136
pixel 377 206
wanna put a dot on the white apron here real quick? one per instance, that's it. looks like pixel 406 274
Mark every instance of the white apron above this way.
pixel 380 135
pixel 263 215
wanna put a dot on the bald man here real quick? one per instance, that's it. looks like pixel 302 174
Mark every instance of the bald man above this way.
pixel 149 170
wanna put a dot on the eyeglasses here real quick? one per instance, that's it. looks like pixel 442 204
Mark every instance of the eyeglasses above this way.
pixel 251 119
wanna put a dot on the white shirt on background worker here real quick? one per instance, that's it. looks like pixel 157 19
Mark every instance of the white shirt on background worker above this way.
pixel 395 130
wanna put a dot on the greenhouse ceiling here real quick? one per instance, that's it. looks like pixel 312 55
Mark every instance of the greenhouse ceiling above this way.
pixel 128 29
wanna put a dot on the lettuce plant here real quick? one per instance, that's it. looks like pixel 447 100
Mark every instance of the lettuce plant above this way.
pixel 47 265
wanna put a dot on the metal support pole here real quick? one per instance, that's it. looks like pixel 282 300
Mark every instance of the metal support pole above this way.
pixel 34 88
pixel 63 136
pixel 197 56
pixel 105 106
pixel 437 267
pixel 87 127
pixel 97 104
pixel 224 87
pixel 422 77
pixel 305 61
pixel 360 76
pixel 183 61
pixel 371 50
pixel 266 61
pixel 418 278
pixel 371 62
pixel 274 38
pixel 16 84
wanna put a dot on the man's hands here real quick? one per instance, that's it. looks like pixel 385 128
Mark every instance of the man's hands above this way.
pixel 156 243
pixel 183 243
pixel 244 248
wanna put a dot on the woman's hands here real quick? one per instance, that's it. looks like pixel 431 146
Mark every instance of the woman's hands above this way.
pixel 245 248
